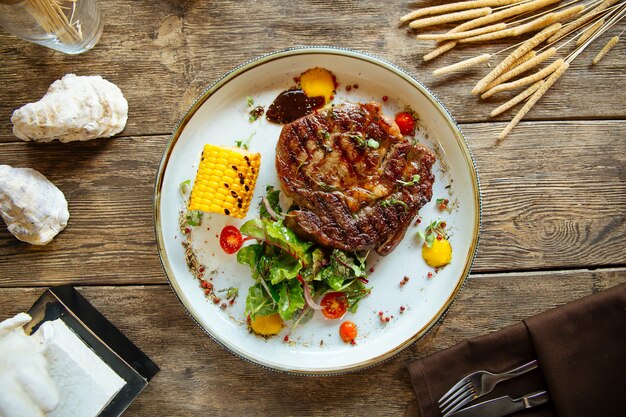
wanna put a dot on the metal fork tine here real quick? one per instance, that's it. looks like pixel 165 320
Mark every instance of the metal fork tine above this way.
pixel 460 391
pixel 460 402
pixel 452 390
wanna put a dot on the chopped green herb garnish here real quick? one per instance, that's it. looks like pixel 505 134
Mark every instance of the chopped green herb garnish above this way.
pixel 250 101
pixel 185 187
pixel 194 218
pixel 372 143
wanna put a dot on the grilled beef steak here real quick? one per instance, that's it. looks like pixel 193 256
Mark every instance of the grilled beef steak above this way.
pixel 357 181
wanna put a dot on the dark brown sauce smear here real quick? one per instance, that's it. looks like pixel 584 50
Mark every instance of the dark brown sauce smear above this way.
pixel 291 105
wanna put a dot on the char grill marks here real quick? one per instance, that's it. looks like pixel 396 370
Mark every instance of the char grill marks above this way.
pixel 343 167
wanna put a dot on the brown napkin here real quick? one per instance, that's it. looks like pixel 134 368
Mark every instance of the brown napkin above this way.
pixel 581 349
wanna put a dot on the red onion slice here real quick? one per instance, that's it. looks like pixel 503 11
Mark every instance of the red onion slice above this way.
pixel 307 295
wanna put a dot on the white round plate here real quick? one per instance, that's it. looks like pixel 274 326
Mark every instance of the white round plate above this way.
pixel 220 116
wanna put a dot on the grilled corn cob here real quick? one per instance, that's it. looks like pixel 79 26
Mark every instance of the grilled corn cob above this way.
pixel 225 181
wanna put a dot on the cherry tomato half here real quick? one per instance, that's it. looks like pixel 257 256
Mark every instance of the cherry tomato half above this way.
pixel 348 331
pixel 405 122
pixel 231 239
pixel 335 305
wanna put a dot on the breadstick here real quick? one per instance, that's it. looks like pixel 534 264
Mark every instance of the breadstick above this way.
pixel 517 99
pixel 460 35
pixel 605 50
pixel 538 23
pixel 453 7
pixel 539 75
pixel 534 99
pixel 522 50
pixel 589 32
pixel 515 31
pixel 445 47
pixel 521 60
pixel 450 17
pixel 485 20
pixel 582 20
pixel 462 65
pixel 503 14
pixel 523 67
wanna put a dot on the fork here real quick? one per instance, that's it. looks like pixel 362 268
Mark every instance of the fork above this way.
pixel 477 384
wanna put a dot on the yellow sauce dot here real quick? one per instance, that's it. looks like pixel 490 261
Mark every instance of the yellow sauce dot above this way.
pixel 439 254
pixel 266 325
pixel 317 82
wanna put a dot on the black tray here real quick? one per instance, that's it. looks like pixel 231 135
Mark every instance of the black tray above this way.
pixel 130 363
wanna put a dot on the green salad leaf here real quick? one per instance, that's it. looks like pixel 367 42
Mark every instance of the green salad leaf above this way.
pixel 280 260
pixel 279 235
pixel 291 299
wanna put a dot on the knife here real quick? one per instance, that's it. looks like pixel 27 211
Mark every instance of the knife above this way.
pixel 502 406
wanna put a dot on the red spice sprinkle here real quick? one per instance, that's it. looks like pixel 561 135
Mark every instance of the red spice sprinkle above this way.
pixel 286 338
pixel 187 230
pixel 223 306
pixel 355 86
pixel 439 237
pixel 418 221
pixel 387 319
pixel 216 300
pixel 372 269
pixel 405 279
pixel 385 98
pixel 380 313
pixel 353 342
pixel 201 269
pixel 232 301
pixel 443 224
pixel 430 275
pixel 348 87
pixel 207 291
pixel 402 308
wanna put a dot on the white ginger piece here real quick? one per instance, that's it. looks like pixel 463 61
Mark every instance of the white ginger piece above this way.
pixel 27 387
pixel 74 108
pixel 33 208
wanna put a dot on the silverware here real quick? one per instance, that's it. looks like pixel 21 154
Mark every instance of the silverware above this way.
pixel 477 384
pixel 503 406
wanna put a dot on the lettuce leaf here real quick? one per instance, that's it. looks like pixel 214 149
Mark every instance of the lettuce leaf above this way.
pixel 273 200
pixel 342 267
pixel 277 234
pixel 259 303
pixel 291 299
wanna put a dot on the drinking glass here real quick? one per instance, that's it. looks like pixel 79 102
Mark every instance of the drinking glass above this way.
pixel 69 26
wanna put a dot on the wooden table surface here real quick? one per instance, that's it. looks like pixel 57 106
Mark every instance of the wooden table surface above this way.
pixel 554 193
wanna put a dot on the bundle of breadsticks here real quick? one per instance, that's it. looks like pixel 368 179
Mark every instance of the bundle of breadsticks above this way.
pixel 551 25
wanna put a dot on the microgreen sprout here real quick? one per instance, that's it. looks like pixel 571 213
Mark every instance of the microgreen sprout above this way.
pixel 391 201
pixel 231 292
pixel 434 229
pixel 416 179
pixel 244 143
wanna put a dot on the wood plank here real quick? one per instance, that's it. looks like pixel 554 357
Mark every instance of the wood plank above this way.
pixel 196 371
pixel 164 57
pixel 554 195
pixel 538 212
